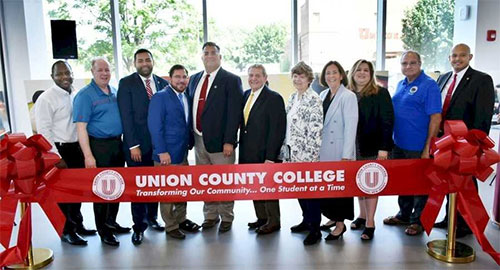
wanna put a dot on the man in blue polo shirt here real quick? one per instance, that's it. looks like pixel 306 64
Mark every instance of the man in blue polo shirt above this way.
pixel 99 128
pixel 417 112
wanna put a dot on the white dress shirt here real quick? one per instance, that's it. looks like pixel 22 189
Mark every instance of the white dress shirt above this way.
pixel 54 116
pixel 460 75
pixel 152 82
pixel 197 95
pixel 184 102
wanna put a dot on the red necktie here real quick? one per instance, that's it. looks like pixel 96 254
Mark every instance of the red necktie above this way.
pixel 149 90
pixel 447 99
pixel 201 102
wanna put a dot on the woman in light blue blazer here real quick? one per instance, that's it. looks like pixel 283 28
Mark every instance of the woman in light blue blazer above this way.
pixel 340 107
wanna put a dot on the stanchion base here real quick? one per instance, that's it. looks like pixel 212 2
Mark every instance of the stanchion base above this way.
pixel 463 253
pixel 41 258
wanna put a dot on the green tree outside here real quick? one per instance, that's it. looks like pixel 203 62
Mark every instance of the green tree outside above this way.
pixel 428 29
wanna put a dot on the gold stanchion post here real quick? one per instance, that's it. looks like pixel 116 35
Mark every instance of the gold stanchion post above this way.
pixel 37 257
pixel 448 250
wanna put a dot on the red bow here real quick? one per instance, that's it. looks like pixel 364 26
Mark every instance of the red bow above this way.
pixel 25 167
pixel 459 155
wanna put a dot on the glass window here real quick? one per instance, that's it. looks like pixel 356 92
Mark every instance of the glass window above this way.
pixel 424 26
pixel 4 110
pixel 344 31
pixel 253 32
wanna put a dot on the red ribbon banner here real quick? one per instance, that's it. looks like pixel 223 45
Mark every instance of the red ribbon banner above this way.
pixel 459 155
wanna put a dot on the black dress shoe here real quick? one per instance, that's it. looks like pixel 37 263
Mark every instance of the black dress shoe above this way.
pixel 110 239
pixel 225 226
pixel 443 224
pixel 116 228
pixel 257 224
pixel 301 227
pixel 462 232
pixel 84 231
pixel 156 226
pixel 137 238
pixel 73 238
pixel 312 238
pixel 189 226
pixel 177 234
pixel 332 236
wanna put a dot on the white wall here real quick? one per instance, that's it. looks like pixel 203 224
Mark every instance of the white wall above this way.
pixel 487 53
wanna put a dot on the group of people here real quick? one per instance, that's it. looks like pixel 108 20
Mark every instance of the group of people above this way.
pixel 151 122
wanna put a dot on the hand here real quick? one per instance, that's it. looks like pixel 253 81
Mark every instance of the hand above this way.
pixel 165 159
pixel 61 164
pixel 228 149
pixel 268 161
pixel 135 154
pixel 382 155
pixel 90 162
pixel 425 153
pixel 345 159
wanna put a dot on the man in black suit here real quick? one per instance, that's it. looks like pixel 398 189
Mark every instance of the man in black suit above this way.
pixel 261 136
pixel 134 94
pixel 217 96
pixel 467 95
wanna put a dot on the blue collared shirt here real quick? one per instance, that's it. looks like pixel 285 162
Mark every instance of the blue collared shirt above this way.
pixel 414 103
pixel 98 110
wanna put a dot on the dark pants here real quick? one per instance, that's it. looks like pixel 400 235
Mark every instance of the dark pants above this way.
pixel 460 220
pixel 72 155
pixel 311 213
pixel 410 207
pixel 142 213
pixel 107 153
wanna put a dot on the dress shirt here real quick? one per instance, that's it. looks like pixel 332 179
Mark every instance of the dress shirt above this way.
pixel 197 94
pixel 184 102
pixel 460 75
pixel 54 116
pixel 152 82
pixel 255 96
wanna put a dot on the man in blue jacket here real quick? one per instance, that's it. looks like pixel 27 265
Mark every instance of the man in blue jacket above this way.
pixel 169 123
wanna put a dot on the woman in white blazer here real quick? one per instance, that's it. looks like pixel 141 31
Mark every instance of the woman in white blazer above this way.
pixel 304 124
pixel 340 107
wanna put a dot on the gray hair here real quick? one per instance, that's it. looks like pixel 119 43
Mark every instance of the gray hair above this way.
pixel 259 66
pixel 411 52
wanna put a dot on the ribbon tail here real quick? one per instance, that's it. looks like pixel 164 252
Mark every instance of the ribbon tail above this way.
pixel 431 209
pixel 10 256
pixel 24 235
pixel 54 214
pixel 8 208
pixel 474 213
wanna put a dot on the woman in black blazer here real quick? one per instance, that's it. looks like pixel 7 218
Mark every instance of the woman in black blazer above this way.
pixel 374 135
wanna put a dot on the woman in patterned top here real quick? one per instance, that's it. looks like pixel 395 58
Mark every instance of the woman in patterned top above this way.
pixel 303 141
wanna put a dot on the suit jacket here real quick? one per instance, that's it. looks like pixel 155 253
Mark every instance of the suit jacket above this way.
pixel 261 138
pixel 472 100
pixel 304 140
pixel 376 123
pixel 168 127
pixel 339 126
pixel 133 103
pixel 222 113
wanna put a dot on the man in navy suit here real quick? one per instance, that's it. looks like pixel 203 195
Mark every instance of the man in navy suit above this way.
pixel 169 123
pixel 134 93
pixel 217 111
pixel 467 95
pixel 261 135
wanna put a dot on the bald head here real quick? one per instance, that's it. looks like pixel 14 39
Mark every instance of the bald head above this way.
pixel 460 57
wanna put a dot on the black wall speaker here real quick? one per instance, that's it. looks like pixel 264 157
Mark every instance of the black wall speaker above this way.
pixel 64 39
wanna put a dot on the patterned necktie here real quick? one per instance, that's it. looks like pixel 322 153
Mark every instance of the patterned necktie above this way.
pixel 201 102
pixel 246 111
pixel 149 90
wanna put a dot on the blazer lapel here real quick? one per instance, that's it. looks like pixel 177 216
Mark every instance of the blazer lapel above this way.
pixel 258 102
pixel 214 88
pixel 334 105
pixel 445 80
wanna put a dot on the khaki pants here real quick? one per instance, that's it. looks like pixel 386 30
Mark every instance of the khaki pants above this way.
pixel 173 214
pixel 212 210
pixel 269 210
